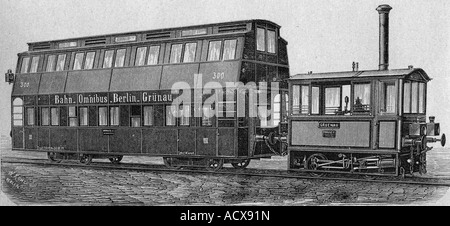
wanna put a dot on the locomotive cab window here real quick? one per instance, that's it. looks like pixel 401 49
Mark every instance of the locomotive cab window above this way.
pixel 388 100
pixel 414 97
pixel 300 99
pixel 361 98
pixel 337 100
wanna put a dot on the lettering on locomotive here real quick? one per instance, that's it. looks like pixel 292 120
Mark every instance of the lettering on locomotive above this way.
pixel 329 125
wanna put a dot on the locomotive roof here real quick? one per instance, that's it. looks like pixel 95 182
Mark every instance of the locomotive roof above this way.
pixel 406 73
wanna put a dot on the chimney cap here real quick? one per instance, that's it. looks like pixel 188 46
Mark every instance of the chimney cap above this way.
pixel 384 8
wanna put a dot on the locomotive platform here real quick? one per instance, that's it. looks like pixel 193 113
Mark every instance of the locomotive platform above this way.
pixel 27 184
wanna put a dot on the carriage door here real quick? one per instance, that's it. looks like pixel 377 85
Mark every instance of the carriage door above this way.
pixel 17 132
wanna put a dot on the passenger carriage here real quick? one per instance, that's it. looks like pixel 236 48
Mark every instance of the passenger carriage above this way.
pixel 112 95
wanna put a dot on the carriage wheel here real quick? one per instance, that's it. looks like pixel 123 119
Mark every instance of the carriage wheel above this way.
pixel 52 157
pixel 170 163
pixel 86 159
pixel 242 164
pixel 312 163
pixel 116 159
pixel 214 164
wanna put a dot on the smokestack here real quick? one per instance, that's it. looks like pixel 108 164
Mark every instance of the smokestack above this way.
pixel 383 11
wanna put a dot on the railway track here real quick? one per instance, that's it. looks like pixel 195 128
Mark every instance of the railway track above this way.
pixel 412 180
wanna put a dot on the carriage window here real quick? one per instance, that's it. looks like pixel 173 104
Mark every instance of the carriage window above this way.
pixel 78 61
pixel 45 116
pixel 260 39
pixel 153 55
pixel 120 58
pixel 135 116
pixel 175 53
pixel 361 97
pixel 107 63
pixel 140 56
pixel 114 116
pixel 148 115
pixel 89 61
pixel 276 109
pixel 214 50
pixel 30 116
pixel 73 116
pixel 189 52
pixel 84 116
pixel 34 64
pixel 389 98
pixel 271 41
pixel 407 98
pixel 185 113
pixel 50 63
pixel 171 112
pixel 315 92
pixel 102 116
pixel 207 115
pixel 229 49
pixel 60 62
pixel 18 112
pixel 25 64
pixel 54 116
pixel 421 98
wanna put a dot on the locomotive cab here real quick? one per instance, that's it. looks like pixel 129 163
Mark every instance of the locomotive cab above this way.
pixel 360 122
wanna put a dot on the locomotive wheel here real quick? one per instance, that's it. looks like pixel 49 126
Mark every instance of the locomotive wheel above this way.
pixel 116 159
pixel 86 159
pixel 242 164
pixel 311 163
pixel 52 157
pixel 170 163
pixel 214 164
pixel 423 164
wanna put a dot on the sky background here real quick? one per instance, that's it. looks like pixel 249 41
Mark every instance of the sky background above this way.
pixel 323 35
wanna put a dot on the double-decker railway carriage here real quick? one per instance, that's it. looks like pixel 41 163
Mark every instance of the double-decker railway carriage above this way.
pixel 369 122
pixel 113 95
